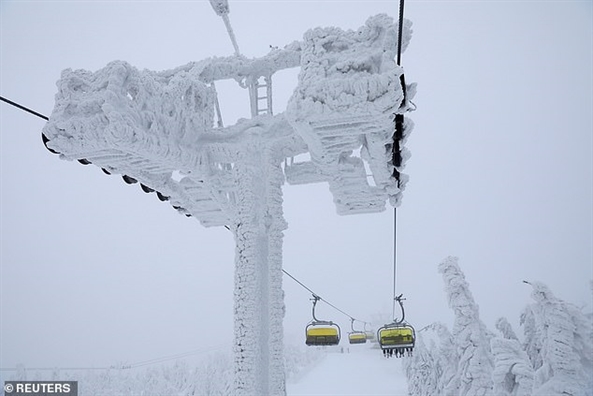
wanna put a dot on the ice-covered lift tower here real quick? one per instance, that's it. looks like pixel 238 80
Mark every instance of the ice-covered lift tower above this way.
pixel 163 130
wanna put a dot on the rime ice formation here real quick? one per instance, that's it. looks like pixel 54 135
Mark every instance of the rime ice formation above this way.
pixel 158 129
pixel 154 125
pixel 348 92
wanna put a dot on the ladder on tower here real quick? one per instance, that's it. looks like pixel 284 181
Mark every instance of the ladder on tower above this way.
pixel 260 93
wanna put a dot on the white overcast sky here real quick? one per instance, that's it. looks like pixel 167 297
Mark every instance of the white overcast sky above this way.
pixel 95 272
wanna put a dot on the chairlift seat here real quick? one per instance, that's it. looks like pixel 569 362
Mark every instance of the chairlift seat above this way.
pixel 322 334
pixel 396 336
pixel 358 337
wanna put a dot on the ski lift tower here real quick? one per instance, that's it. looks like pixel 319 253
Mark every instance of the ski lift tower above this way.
pixel 164 131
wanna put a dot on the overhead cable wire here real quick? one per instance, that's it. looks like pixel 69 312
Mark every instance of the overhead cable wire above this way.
pixel 321 298
pixel 299 282
pixel 402 80
pixel 172 357
pixel 394 260
pixel 10 102
pixel 400 32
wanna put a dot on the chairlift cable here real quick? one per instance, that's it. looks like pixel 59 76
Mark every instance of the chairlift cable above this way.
pixel 398 337
pixel 19 106
pixel 400 32
pixel 394 260
pixel 399 52
pixel 315 295
pixel 299 282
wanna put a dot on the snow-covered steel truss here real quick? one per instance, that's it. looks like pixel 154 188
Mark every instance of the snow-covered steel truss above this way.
pixel 158 129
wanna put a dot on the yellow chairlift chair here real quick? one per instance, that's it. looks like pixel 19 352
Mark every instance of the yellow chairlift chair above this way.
pixel 321 332
pixel 397 337
pixel 356 337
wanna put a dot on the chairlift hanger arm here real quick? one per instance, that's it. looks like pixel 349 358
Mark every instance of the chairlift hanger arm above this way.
pixel 352 320
pixel 400 299
pixel 315 299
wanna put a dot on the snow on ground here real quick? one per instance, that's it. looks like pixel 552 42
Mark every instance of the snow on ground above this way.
pixel 359 371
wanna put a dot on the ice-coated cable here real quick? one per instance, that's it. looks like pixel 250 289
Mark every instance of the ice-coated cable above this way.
pixel 10 102
pixel 400 32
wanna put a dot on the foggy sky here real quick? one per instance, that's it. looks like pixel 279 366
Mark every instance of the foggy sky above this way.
pixel 94 272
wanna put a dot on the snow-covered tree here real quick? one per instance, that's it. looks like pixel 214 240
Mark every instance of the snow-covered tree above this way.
pixel 440 357
pixel 213 376
pixel 298 357
pixel 513 373
pixel 532 335
pixel 447 358
pixel 563 342
pixel 505 328
pixel 470 336
pixel 422 370
pixel 555 358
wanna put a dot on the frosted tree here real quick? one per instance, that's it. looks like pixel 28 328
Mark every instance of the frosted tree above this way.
pixel 441 358
pixel 215 377
pixel 470 336
pixel 513 373
pixel 532 335
pixel 298 358
pixel 422 370
pixel 447 358
pixel 505 328
pixel 562 339
pixel 556 357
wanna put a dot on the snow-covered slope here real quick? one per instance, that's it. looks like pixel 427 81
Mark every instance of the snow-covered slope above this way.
pixel 358 371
